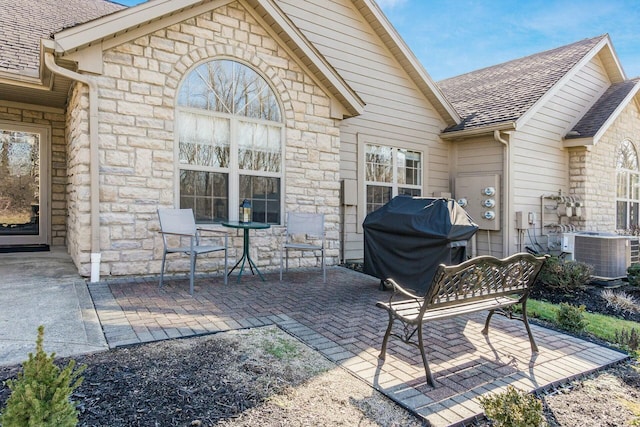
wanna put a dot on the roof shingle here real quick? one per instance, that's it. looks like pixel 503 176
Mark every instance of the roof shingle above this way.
pixel 504 92
pixel 31 20
pixel 600 112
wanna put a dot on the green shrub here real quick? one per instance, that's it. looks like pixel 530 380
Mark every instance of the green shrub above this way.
pixel 564 275
pixel 571 318
pixel 41 395
pixel 513 408
pixel 633 274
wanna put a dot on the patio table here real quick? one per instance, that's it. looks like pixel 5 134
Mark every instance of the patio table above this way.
pixel 246 257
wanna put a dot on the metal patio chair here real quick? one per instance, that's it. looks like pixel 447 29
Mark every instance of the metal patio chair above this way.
pixel 304 232
pixel 181 224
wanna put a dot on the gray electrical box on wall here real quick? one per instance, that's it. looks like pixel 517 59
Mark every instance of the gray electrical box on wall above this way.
pixel 349 192
pixel 479 195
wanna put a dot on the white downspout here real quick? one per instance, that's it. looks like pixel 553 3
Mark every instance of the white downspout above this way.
pixel 94 160
pixel 507 191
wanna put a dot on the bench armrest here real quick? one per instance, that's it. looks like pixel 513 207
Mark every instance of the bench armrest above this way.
pixel 401 295
pixel 397 289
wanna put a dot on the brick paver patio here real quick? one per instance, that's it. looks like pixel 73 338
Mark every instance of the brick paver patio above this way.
pixel 340 320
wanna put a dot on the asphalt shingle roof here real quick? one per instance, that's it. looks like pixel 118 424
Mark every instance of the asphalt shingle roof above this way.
pixel 600 112
pixel 31 20
pixel 506 91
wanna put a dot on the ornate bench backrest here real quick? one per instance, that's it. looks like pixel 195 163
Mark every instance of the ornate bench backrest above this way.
pixel 483 277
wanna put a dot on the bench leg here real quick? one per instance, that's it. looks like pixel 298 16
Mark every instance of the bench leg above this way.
pixel 383 351
pixel 485 331
pixel 427 371
pixel 525 320
pixel 534 347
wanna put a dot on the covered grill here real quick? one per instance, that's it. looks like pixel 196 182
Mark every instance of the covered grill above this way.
pixel 408 238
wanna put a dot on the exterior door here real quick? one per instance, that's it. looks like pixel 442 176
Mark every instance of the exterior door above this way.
pixel 24 185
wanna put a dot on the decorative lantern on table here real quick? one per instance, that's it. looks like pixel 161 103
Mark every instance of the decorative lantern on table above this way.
pixel 245 211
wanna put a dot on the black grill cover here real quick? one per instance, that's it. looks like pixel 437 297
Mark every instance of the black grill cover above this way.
pixel 408 238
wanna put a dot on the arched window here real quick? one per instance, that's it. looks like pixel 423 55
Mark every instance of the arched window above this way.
pixel 230 132
pixel 628 187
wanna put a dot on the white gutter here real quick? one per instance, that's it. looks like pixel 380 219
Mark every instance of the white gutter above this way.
pixel 507 191
pixel 50 62
pixel 467 133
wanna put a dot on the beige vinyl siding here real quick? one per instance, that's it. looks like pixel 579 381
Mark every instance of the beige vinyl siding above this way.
pixel 396 111
pixel 481 156
pixel 540 163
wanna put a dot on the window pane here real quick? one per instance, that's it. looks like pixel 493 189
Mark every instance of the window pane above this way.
pixel 633 215
pixel 253 96
pixel 621 190
pixel 378 164
pixel 264 195
pixel 229 87
pixel 409 168
pixel 207 193
pixel 377 196
pixel 203 140
pixel 19 183
pixel 259 147
pixel 621 215
pixel 415 192
pixel 627 156
pixel 215 101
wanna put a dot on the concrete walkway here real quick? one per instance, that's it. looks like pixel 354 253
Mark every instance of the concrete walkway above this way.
pixel 339 319
pixel 44 288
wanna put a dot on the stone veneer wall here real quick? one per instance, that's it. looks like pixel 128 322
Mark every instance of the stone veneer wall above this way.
pixel 79 191
pixel 593 171
pixel 137 103
pixel 55 120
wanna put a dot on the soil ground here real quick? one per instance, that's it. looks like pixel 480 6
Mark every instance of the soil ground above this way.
pixel 265 377
pixel 260 376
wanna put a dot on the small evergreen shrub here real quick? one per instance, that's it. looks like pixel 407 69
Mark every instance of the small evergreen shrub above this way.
pixel 41 394
pixel 633 274
pixel 571 318
pixel 513 408
pixel 564 275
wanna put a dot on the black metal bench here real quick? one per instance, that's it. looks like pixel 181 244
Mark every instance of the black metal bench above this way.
pixel 481 283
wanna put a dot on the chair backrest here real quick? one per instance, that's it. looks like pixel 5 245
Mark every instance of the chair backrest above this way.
pixel 179 221
pixel 311 224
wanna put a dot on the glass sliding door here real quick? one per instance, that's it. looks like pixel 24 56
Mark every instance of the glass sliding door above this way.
pixel 24 206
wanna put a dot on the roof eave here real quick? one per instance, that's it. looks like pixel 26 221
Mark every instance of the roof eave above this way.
pixel 331 79
pixel 593 140
pixel 478 131
pixel 74 38
pixel 104 31
pixel 579 142
pixel 15 79
pixel 616 113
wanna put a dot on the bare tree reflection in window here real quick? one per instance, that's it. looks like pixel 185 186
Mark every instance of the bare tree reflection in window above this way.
pixel 227 113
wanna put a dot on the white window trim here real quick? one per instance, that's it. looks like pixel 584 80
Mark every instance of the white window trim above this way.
pixel 629 192
pixel 233 171
pixel 362 141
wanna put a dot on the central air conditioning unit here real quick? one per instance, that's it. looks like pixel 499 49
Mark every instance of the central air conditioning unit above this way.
pixel 609 254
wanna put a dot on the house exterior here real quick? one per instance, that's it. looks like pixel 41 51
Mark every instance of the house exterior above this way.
pixel 134 105
pixel 557 134
pixel 108 113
